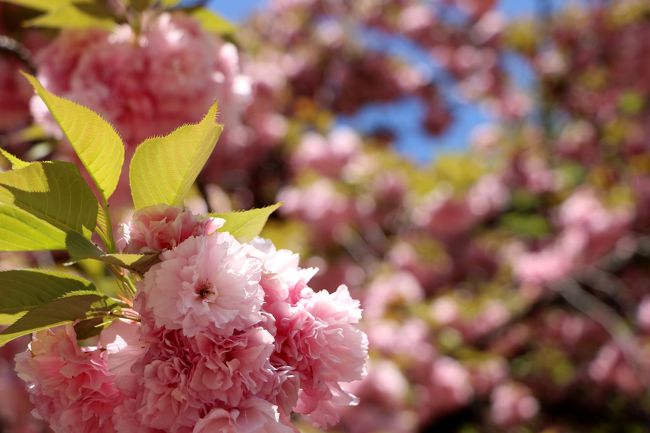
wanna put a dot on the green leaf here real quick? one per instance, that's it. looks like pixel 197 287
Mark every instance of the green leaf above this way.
pixel 90 327
pixel 41 5
pixel 163 169
pixel 24 290
pixel 59 312
pixel 22 231
pixel 527 225
pixel 139 5
pixel 53 192
pixel 245 225
pixel 213 22
pixel 82 249
pixel 73 16
pixel 96 142
pixel 13 160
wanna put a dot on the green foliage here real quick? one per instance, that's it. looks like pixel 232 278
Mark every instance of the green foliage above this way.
pixel 163 169
pixel 68 14
pixel 96 142
pixel 526 225
pixel 213 22
pixel 631 103
pixel 245 225
pixel 13 160
pixel 22 231
pixel 75 16
pixel 82 249
pixel 90 327
pixel 83 305
pixel 23 290
pixel 40 5
pixel 49 206
pixel 42 201
pixel 50 190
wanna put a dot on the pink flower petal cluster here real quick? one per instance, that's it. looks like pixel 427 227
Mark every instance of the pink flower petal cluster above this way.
pixel 70 387
pixel 157 228
pixel 145 84
pixel 206 281
pixel 589 231
pixel 230 339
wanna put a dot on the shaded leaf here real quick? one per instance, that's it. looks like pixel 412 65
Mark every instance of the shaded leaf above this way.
pixel 24 290
pixel 53 192
pixel 90 328
pixel 527 225
pixel 59 312
pixel 82 249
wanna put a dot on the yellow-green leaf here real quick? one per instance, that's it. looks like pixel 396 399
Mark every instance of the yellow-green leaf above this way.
pixel 163 169
pixel 72 16
pixel 213 22
pixel 13 160
pixel 53 192
pixel 246 225
pixel 41 5
pixel 96 142
pixel 22 231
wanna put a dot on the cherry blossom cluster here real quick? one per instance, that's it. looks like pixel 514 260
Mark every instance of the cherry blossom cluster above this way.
pixel 145 84
pixel 228 337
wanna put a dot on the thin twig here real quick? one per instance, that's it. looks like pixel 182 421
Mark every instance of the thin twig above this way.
pixel 13 47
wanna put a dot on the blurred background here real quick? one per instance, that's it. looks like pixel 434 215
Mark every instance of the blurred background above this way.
pixel 476 171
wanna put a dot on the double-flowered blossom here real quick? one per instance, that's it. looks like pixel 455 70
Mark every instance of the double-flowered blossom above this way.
pixel 70 386
pixel 145 84
pixel 230 338
pixel 157 228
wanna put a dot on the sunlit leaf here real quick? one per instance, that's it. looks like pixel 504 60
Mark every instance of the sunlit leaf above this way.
pixel 213 22
pixel 22 231
pixel 13 160
pixel 96 142
pixel 246 225
pixel 41 5
pixel 73 16
pixel 163 169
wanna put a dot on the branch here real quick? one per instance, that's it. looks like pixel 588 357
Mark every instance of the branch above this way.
pixel 13 47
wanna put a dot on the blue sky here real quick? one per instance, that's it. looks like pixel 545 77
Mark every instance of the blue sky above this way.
pixel 411 141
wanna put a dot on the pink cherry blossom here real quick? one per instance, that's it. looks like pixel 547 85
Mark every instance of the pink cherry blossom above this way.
pixel 157 228
pixel 70 386
pixel 145 84
pixel 327 155
pixel 317 336
pixel 253 416
pixel 512 404
pixel 281 275
pixel 207 280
